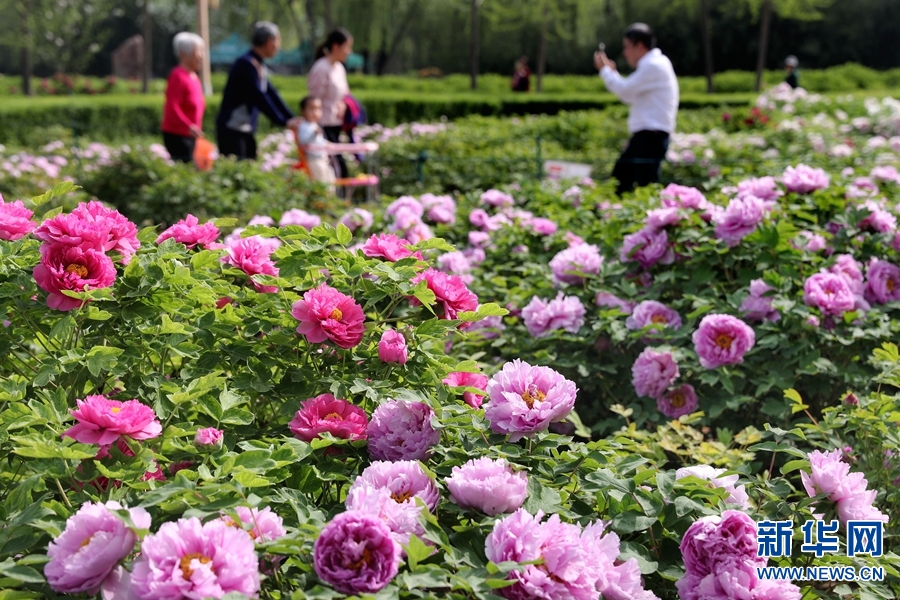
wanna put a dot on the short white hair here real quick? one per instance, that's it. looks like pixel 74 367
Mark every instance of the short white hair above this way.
pixel 185 43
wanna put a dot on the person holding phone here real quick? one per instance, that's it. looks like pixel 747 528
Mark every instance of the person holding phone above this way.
pixel 652 93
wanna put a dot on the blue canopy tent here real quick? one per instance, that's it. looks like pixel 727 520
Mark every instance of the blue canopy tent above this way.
pixel 294 59
pixel 228 50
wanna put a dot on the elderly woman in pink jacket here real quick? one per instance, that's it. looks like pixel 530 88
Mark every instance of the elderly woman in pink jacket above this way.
pixel 327 81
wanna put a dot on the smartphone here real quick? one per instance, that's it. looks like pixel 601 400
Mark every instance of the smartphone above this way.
pixel 602 47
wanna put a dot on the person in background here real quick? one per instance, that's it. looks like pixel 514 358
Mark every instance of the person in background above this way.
pixel 652 92
pixel 327 81
pixel 248 92
pixel 310 134
pixel 182 120
pixel 521 80
pixel 790 65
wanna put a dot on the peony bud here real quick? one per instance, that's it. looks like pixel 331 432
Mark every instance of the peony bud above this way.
pixel 392 348
pixel 208 439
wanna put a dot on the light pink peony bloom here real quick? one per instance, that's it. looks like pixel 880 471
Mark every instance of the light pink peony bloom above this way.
pixel 736 493
pixel 830 475
pixel 647 247
pixel 405 203
pixel 712 540
pixel 209 438
pixel 563 312
pixel 406 480
pixel 262 525
pixel 572 239
pixel 392 347
pixel 456 263
pixel 741 218
pixel 807 240
pixel 327 414
pixel 886 173
pixel 72 268
pixel 678 401
pixel 357 218
pixel 401 516
pixel 489 327
pixel 327 314
pixel 571 264
pixel 878 220
pixel 295 216
pixel 15 220
pixel 526 399
pixel 496 198
pixel 356 553
pixel 472 380
pixel 439 209
pixel 190 559
pixel 450 292
pixel 95 539
pixel 757 306
pixel 829 293
pixel 189 232
pixel 402 430
pixel 607 300
pixel 680 196
pixel 735 579
pixel 656 315
pixel 479 239
pixel 389 247
pixel 253 256
pixel 653 372
pixel 764 188
pixel 660 218
pixel 803 179
pixel 722 340
pixel 882 282
pixel 488 486
pixel 102 421
pixel 848 268
pixel 261 220
pixel 542 226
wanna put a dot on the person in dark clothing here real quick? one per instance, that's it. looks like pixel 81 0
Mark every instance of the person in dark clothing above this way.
pixel 248 92
pixel 521 81
pixel 790 65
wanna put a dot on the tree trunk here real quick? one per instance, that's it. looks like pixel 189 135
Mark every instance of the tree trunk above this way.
pixel 474 47
pixel 707 47
pixel 25 10
pixel 764 23
pixel 542 49
pixel 147 31
pixel 329 17
pixel 388 50
pixel 311 19
pixel 203 31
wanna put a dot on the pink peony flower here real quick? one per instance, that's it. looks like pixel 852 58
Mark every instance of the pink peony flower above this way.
pixel 605 299
pixel 392 347
pixel 405 203
pixel 847 267
pixel 479 239
pixel 402 430
pixel 209 438
pixel 879 220
pixel 95 539
pixel 189 232
pixel 190 559
pixel 736 493
pixel 456 263
pixel 102 421
pixel 472 380
pixel 829 293
pixel 526 399
pixel 571 264
pixel 572 239
pixel 757 306
pixel 712 540
pixel 357 218
pixel 92 226
pixel 253 255
pixel 262 525
pixel 882 282
pixel 265 220
pixel 489 327
pixel 563 312
pixel 295 216
pixel 542 226
pixel 15 220
pixel 72 268
pixel 647 247
pixel 680 196
pixel 356 553
pixel 488 486
pixel 389 247
pixel 496 198
pixel 803 179
pixel 739 219
pixel 653 372
pixel 660 218
pixel 722 340
pixel 807 240
pixel 327 414
pixel 327 314
pixel 830 475
pixel 406 480
pixel 439 209
pixel 656 315
pixel 733 579
pixel 678 401
pixel 764 188
pixel 450 292
pixel 401 516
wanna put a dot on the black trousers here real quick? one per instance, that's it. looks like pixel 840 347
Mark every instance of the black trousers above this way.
pixel 180 147
pixel 333 134
pixel 236 143
pixel 639 163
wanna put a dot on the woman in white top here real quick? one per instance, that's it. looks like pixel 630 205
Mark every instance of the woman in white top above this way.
pixel 327 81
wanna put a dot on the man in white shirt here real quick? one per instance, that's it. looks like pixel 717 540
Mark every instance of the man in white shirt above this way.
pixel 652 93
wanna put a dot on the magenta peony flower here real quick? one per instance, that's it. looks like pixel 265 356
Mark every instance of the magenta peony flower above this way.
pixel 678 401
pixel 829 293
pixel 563 312
pixel 651 313
pixel 15 220
pixel 739 219
pixel 496 198
pixel 92 225
pixel 542 226
pixel 736 493
pixel 262 525
pixel 327 314
pixel 830 475
pixel 189 232
pixel 327 414
pixel 647 247
pixel 92 544
pixel 190 559
pixel 526 399
pixel 392 347
pixel 389 247
pixel 253 255
pixel 356 553
pixel 653 372
pixel 295 216
pixel 102 421
pixel 712 540
pixel 733 579
pixel 571 264
pixel 488 486
pixel 722 340
pixel 847 267
pixel 405 479
pixel 450 292
pixel 757 306
pixel 608 300
pixel 402 430
pixel 882 282
pixel 72 268
pixel 660 218
pixel 680 196
pixel 803 179
pixel 401 517
pixel 357 218
pixel 764 188
pixel 472 380
pixel 209 438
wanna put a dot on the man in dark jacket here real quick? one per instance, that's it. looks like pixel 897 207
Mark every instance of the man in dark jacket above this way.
pixel 248 92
